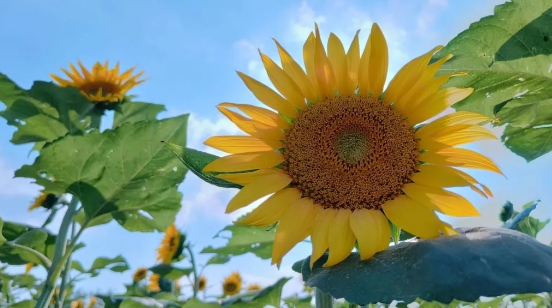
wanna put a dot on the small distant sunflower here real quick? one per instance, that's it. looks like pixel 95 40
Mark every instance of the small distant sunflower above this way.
pixel 202 283
pixel 254 287
pixel 340 156
pixel 44 200
pixel 232 284
pixel 154 283
pixel 92 302
pixel 28 267
pixel 140 274
pixel 169 245
pixel 77 303
pixel 102 84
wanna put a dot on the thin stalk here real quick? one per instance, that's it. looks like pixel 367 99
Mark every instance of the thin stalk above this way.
pixel 194 266
pixel 66 271
pixel 60 256
pixel 51 216
pixel 323 300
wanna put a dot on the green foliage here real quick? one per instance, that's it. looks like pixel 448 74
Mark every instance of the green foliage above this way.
pixel 530 225
pixel 170 272
pixel 298 302
pixel 507 211
pixel 507 57
pixel 244 239
pixel 119 172
pixel 17 256
pixel 440 269
pixel 132 112
pixel 195 303
pixel 31 238
pixel 271 295
pixel 195 161
pixel 117 264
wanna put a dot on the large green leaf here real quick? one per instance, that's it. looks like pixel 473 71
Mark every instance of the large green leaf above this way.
pixel 508 58
pixel 271 295
pixel 48 112
pixel 196 160
pixel 10 92
pixel 17 256
pixel 125 172
pixel 257 240
pixel 31 238
pixel 131 112
pixel 479 261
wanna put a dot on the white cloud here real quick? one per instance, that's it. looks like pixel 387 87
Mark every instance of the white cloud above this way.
pixel 10 186
pixel 428 15
pixel 302 23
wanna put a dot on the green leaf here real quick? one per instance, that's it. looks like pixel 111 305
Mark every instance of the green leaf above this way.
pixel 440 269
pixel 196 160
pixel 31 238
pixel 24 281
pixel 256 240
pixel 76 265
pixel 218 259
pixel 297 266
pixel 2 238
pixel 271 295
pixel 132 112
pixel 125 172
pixel 298 302
pixel 47 113
pixel 196 303
pixel 117 264
pixel 29 303
pixel 81 218
pixel 17 256
pixel 146 302
pixel 170 272
pixel 10 91
pixel 508 59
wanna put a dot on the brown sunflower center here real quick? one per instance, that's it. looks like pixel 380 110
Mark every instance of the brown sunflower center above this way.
pixel 94 87
pixel 230 287
pixel 350 152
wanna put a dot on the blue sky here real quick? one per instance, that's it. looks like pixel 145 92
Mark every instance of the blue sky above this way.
pixel 190 51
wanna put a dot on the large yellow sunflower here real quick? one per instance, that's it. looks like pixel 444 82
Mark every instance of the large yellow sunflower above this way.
pixel 340 156
pixel 232 284
pixel 169 245
pixel 102 84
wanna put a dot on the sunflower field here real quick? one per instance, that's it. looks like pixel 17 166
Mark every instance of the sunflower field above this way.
pixel 366 167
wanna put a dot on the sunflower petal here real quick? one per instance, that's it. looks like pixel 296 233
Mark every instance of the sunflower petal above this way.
pixel 294 227
pixel 341 239
pixel 353 63
pixel 245 162
pixel 246 178
pixel 268 97
pixel 364 68
pixel 321 227
pixel 259 114
pixel 438 199
pixel 467 135
pixel 338 60
pixel 437 103
pixel 272 209
pixel 283 83
pixel 294 70
pixel 264 186
pixel 237 144
pixel 323 68
pixel 308 58
pixel 379 61
pixel 371 230
pixel 412 217
pixel 455 118
pixel 406 77
pixel 442 176
pixel 458 157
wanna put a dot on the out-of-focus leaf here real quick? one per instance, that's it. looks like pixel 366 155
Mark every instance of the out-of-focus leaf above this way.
pixel 125 172
pixel 298 302
pixel 170 272
pixel 271 295
pixel 116 264
pixel 31 238
pixel 479 261
pixel 146 302
pixel 29 303
pixel 196 303
pixel 131 112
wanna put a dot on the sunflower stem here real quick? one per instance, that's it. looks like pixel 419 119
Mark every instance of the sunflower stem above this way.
pixel 323 300
pixel 60 256
pixel 66 271
pixel 194 266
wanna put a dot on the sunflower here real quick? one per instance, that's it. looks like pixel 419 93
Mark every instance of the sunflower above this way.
pixel 28 267
pixel 154 283
pixel 44 200
pixel 92 302
pixel 140 274
pixel 169 245
pixel 254 287
pixel 77 303
pixel 341 157
pixel 232 284
pixel 202 283
pixel 102 85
